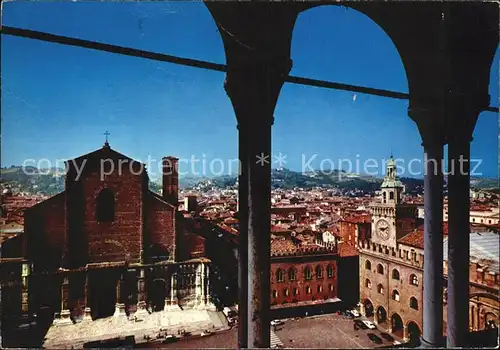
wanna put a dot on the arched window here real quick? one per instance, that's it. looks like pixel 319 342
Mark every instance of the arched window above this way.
pixel 384 196
pixel 413 280
pixel 285 292
pixel 395 295
pixel 368 265
pixel 380 269
pixel 414 303
pixel 391 195
pixel 308 290
pixel 331 287
pixel 329 271
pixel 368 283
pixel 319 288
pixel 275 293
pixel 295 291
pixel 307 273
pixel 395 274
pixel 105 206
pixel 292 274
pixel 380 289
pixel 280 276
pixel 319 272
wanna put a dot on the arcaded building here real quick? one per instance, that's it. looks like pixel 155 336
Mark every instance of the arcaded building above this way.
pixel 391 268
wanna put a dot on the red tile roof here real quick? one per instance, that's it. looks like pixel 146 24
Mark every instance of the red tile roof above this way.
pixel 414 239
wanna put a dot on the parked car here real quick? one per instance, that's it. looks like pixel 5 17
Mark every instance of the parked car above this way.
pixel 360 324
pixel 355 313
pixel 347 314
pixel 387 337
pixel 276 323
pixel 170 339
pixel 206 333
pixel 370 324
pixel 375 338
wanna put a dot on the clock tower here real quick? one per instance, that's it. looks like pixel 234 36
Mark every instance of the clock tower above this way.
pixel 386 212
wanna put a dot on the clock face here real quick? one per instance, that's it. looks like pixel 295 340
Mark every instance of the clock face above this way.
pixel 383 229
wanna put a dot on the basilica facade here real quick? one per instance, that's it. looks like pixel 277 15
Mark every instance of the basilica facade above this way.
pixel 107 245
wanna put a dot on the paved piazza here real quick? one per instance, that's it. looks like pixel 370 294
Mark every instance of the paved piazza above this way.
pixel 325 331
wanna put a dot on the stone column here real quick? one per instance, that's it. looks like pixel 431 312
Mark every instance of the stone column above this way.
pixel 25 275
pixel 87 313
pixel 141 295
pixel 405 333
pixel 477 317
pixel 458 240
pixel 242 243
pixel 210 305
pixel 433 140
pixel 65 315
pixel 203 300
pixel 120 305
pixel 168 292
pixel 362 309
pixel 253 85
pixel 173 294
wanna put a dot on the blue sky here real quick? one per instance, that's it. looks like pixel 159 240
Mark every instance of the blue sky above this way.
pixel 57 101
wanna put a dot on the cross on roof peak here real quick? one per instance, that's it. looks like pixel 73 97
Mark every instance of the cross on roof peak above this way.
pixel 106 134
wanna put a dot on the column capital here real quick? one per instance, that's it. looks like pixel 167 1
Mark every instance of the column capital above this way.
pixel 253 84
pixel 462 112
pixel 431 124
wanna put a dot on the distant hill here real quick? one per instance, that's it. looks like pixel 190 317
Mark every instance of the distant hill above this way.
pixel 51 181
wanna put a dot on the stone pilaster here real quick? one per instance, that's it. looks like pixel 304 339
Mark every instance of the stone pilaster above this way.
pixel 65 314
pixel 25 275
pixel 120 305
pixel 87 313
pixel 141 295
pixel 210 305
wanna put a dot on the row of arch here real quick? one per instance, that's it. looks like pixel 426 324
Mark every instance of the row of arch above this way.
pixel 413 279
pixel 296 292
pixel 397 324
pixel 292 273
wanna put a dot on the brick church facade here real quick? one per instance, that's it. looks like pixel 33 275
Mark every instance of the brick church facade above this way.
pixel 107 245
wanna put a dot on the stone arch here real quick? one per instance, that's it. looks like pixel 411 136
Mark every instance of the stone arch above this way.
pixel 490 320
pixel 397 324
pixel 318 271
pixel 158 293
pixel 105 205
pixel 280 275
pixel 307 272
pixel 414 304
pixel 368 307
pixel 413 332
pixel 362 14
pixel 158 252
pixel 381 314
